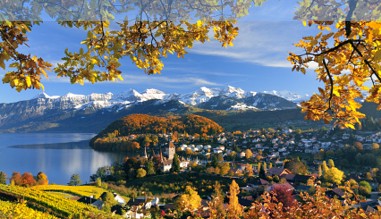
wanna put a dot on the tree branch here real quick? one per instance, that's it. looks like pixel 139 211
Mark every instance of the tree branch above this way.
pixel 331 83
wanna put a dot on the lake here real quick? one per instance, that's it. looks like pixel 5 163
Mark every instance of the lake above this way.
pixel 59 155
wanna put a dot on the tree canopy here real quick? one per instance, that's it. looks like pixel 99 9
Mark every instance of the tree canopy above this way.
pixel 346 52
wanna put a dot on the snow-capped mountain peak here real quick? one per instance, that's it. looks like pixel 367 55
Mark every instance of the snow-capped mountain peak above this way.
pixel 44 95
pixel 288 95
pixel 153 94
pixel 251 94
pixel 200 96
pixel 234 92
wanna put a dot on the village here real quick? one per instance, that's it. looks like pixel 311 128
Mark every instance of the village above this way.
pixel 260 160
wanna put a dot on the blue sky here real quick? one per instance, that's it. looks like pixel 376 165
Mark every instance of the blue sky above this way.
pixel 257 62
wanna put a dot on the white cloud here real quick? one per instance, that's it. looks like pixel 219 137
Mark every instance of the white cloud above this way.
pixel 149 80
pixel 163 80
pixel 261 43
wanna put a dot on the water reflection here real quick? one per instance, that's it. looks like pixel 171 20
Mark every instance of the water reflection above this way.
pixel 47 153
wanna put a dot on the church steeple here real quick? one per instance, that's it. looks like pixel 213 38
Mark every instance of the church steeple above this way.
pixel 161 156
pixel 171 150
pixel 145 153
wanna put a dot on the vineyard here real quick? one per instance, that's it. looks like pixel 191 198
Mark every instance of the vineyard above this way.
pixel 74 190
pixel 51 203
pixel 20 210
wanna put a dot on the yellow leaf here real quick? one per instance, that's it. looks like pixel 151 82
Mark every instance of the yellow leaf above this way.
pixel 44 72
pixel 199 23
pixel 377 55
pixel 94 61
pixel 120 77
pixel 28 81
pixel 336 93
pixel 305 23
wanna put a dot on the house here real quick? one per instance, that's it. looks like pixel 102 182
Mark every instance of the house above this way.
pixel 298 179
pixel 167 165
pixel 303 179
pixel 184 164
pixel 242 154
pixel 336 192
pixel 155 201
pixel 277 171
pixel 119 199
pixel 134 213
pixel 92 201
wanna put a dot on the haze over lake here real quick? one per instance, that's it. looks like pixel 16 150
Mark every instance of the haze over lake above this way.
pixel 59 155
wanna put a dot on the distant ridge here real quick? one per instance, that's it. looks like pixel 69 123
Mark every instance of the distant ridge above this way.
pixel 83 113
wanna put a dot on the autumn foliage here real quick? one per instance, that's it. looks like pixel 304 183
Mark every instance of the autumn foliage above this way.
pixel 135 124
pixel 27 179
pixel 348 57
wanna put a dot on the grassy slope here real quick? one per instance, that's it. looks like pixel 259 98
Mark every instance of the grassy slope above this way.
pixel 52 203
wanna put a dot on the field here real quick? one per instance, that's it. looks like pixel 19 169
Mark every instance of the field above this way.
pixel 53 203
pixel 73 190
pixel 20 210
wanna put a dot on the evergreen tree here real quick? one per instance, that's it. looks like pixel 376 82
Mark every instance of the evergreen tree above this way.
pixel 175 164
pixel 262 172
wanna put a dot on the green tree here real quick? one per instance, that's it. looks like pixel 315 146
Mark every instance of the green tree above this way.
pixel 108 197
pixel 175 164
pixel 109 201
pixel 98 182
pixel 75 180
pixel 3 178
pixel 262 172
pixel 365 188
pixel 296 166
pixel 150 168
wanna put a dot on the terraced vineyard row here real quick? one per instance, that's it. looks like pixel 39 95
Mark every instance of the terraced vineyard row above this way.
pixel 21 211
pixel 74 190
pixel 49 202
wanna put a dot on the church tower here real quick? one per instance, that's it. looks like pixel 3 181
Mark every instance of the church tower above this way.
pixel 171 150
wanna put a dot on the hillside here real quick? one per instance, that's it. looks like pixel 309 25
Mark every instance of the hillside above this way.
pixel 54 204
pixel 136 124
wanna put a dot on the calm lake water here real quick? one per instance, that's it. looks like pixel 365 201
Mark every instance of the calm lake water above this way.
pixel 59 155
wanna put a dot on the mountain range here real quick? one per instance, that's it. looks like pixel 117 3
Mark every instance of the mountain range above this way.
pixel 91 113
